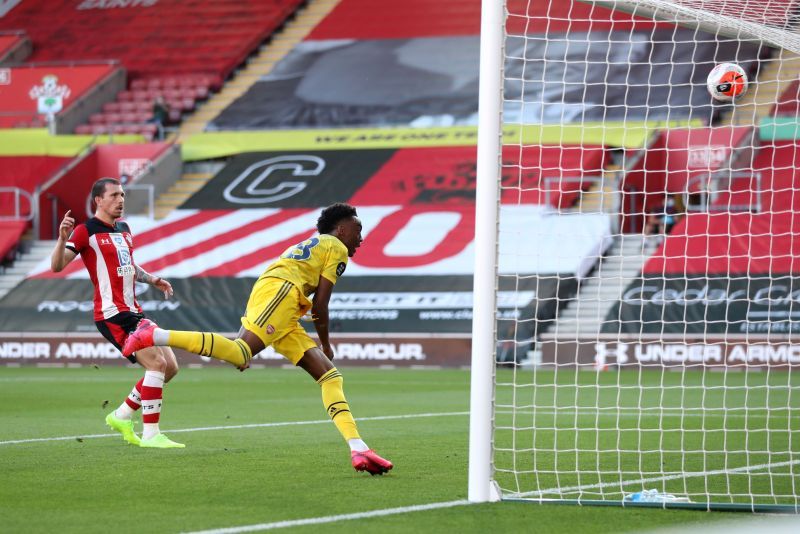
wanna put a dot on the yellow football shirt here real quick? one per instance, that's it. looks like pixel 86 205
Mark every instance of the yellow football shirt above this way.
pixel 304 263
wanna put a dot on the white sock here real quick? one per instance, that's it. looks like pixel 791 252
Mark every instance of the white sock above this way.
pixel 124 411
pixel 160 337
pixel 153 384
pixel 357 445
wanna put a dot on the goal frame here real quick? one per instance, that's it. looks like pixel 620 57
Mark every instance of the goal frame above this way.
pixel 481 485
pixel 487 194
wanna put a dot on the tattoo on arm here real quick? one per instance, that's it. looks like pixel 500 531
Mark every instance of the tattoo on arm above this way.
pixel 145 277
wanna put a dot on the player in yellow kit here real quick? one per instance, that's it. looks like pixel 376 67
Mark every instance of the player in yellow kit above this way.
pixel 280 297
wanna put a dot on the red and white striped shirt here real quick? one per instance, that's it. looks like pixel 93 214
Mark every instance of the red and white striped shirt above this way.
pixel 107 252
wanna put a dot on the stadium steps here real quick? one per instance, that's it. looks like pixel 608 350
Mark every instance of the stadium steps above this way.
pixel 603 287
pixel 282 42
pixel 34 253
pixel 601 196
pixel 180 191
pixel 774 78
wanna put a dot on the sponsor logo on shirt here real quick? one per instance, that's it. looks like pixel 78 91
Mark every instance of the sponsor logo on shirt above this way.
pixel 126 270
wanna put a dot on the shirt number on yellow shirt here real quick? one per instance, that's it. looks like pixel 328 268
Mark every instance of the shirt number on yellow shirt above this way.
pixel 302 251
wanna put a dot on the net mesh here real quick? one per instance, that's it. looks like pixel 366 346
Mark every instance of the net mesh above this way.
pixel 660 241
pixel 769 21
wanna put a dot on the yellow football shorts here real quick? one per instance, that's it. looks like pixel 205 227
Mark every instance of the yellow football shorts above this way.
pixel 273 311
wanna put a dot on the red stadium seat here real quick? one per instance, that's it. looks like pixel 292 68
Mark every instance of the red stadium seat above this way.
pixel 129 118
pixel 113 118
pixel 171 94
pixel 187 103
pixel 112 107
pixel 201 92
pixel 184 67
pixel 97 118
pixel 187 81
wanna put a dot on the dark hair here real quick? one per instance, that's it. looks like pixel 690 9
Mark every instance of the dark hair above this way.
pixel 99 187
pixel 333 215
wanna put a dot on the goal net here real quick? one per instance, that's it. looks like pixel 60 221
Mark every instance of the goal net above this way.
pixel 656 361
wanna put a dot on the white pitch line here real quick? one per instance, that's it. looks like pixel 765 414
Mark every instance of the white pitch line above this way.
pixel 692 474
pixel 450 504
pixel 560 412
pixel 333 518
pixel 235 427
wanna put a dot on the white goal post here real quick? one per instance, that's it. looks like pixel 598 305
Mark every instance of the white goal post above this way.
pixel 486 217
pixel 656 365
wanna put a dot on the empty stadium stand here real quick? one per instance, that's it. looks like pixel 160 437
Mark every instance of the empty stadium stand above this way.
pixel 146 166
pixel 10 234
pixel 177 50
pixel 15 46
pixel 788 103
pixel 20 177
pixel 25 173
pixel 162 39
pixel 403 19
pixel 674 162
pixel 724 241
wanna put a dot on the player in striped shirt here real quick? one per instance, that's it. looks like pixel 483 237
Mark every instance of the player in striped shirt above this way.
pixel 105 245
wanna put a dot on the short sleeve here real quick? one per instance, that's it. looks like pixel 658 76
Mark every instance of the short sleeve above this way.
pixel 335 261
pixel 79 239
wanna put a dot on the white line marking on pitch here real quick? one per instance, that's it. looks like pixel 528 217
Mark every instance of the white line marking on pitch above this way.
pixel 691 474
pixel 334 518
pixel 561 412
pixel 450 504
pixel 234 427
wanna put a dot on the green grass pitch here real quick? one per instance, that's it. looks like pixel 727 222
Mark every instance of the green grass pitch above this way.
pixel 713 436
pixel 297 468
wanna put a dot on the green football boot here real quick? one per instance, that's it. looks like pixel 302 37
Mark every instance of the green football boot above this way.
pixel 124 427
pixel 160 441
